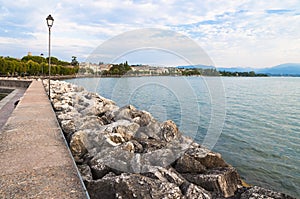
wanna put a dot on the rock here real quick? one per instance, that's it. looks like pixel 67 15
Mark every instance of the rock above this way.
pixel 206 157
pixel 107 117
pixel 169 131
pixel 78 144
pixel 119 132
pixel 69 128
pixel 98 168
pixel 90 122
pixel 223 181
pixel 138 148
pixel 151 131
pixel 127 132
pixel 150 145
pixel 192 191
pixel 143 118
pixel 188 164
pixel 107 141
pixel 116 158
pixel 261 193
pixel 126 113
pixel 115 139
pixel 168 174
pixel 128 146
pixel 132 186
pixel 85 172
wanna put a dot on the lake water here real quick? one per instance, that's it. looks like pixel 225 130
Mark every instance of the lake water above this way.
pixel 253 122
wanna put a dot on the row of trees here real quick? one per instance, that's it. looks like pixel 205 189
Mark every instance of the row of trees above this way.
pixel 118 69
pixel 35 65
pixel 242 74
pixel 200 71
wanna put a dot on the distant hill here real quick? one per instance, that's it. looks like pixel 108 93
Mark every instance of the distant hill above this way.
pixel 288 69
pixel 282 69
pixel 196 66
pixel 236 69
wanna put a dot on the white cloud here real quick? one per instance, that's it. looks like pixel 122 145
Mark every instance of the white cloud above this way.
pixel 234 33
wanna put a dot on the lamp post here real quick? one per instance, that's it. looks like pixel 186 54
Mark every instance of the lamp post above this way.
pixel 50 21
pixel 42 55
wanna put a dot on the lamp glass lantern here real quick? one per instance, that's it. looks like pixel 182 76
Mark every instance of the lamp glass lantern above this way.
pixel 50 21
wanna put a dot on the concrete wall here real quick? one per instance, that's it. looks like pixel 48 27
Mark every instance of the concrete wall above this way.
pixel 15 83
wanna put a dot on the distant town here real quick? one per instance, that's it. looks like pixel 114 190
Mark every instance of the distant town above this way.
pixel 31 65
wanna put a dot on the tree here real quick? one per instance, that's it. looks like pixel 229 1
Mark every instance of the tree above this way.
pixel 74 61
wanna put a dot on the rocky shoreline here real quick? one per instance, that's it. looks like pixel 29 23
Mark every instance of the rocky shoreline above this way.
pixel 123 152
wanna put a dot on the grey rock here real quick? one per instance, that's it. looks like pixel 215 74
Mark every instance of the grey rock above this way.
pixel 150 131
pixel 167 174
pixel 90 122
pixel 126 113
pixel 127 132
pixel 107 141
pixel 150 145
pixel 261 193
pixel 188 164
pixel 143 118
pixel 85 172
pixel 223 181
pixel 138 148
pixel 98 168
pixel 206 157
pixel 132 186
pixel 69 128
pixel 192 191
pixel 169 131
pixel 79 145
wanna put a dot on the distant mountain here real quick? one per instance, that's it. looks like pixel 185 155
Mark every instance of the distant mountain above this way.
pixel 282 69
pixel 288 69
pixel 196 66
pixel 236 69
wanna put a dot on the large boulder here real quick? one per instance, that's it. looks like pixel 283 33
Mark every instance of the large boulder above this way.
pixel 98 168
pixel 188 164
pixel 261 193
pixel 132 186
pixel 169 131
pixel 79 145
pixel 69 128
pixel 222 181
pixel 206 157
pixel 192 191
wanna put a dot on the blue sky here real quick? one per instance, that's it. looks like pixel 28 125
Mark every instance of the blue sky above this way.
pixel 247 33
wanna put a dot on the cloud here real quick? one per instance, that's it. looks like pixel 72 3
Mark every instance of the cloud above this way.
pixel 244 33
pixel 278 11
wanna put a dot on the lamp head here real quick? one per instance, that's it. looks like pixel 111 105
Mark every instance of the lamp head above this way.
pixel 50 21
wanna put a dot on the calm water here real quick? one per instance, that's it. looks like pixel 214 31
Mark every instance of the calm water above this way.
pixel 253 122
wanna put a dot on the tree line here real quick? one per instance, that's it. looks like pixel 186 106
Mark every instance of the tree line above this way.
pixel 242 74
pixel 35 66
pixel 118 70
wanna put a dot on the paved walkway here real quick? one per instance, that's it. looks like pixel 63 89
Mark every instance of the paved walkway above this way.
pixel 35 161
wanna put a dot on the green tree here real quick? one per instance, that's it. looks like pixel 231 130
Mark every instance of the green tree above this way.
pixel 74 61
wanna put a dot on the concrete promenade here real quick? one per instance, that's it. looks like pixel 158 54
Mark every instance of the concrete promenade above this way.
pixel 35 160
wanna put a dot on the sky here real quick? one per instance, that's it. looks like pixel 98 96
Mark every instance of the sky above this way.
pixel 244 33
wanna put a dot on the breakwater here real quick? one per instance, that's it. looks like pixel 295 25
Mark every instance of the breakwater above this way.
pixel 125 152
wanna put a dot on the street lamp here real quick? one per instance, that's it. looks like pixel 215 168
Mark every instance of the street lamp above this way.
pixel 42 55
pixel 50 21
